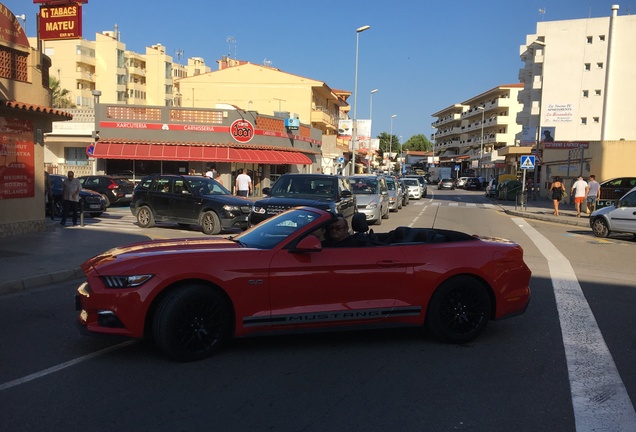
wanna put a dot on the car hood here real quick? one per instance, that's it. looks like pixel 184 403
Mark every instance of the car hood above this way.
pixel 229 199
pixel 159 247
pixel 366 199
pixel 293 202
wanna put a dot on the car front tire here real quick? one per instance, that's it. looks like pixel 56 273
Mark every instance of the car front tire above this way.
pixel 192 322
pixel 459 310
pixel 210 223
pixel 145 218
pixel 600 228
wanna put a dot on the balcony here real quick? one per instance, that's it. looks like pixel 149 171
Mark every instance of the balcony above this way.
pixel 323 118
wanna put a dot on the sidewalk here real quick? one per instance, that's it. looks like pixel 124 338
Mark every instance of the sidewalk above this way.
pixel 38 259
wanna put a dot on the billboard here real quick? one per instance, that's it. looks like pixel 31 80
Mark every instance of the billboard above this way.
pixel 17 159
pixel 62 21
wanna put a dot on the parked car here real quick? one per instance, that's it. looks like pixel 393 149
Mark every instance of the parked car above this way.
pixel 461 182
pixel 188 200
pixel 423 182
pixel 192 296
pixel 90 201
pixel 395 194
pixel 372 197
pixel 327 192
pixel 473 183
pixel 405 192
pixel 447 183
pixel 619 218
pixel 115 190
pixel 414 187
pixel 613 189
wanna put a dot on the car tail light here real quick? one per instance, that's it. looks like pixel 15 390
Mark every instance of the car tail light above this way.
pixel 113 185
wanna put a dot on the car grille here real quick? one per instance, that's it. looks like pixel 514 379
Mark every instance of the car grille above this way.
pixel 93 199
pixel 246 209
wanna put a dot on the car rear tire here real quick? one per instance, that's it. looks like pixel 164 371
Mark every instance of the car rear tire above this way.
pixel 145 218
pixel 459 310
pixel 192 322
pixel 600 228
pixel 210 223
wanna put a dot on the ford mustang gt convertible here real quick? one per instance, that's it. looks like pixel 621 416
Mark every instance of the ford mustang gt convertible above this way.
pixel 191 295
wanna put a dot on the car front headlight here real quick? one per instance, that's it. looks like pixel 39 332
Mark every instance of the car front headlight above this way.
pixel 231 208
pixel 125 281
pixel 373 204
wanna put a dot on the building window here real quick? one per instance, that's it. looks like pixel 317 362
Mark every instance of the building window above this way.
pixel 583 120
pixel 75 156
pixel 589 39
pixel 595 119
pixel 599 65
pixel 601 38
pixel 597 92
pixel 588 66
pixel 586 93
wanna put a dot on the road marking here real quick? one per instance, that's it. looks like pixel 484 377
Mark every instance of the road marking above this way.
pixel 64 365
pixel 599 397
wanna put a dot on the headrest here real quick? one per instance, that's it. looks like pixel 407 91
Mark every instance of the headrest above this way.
pixel 359 223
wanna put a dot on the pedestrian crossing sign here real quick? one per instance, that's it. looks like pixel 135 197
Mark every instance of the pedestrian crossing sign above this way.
pixel 527 162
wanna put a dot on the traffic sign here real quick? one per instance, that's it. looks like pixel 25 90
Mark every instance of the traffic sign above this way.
pixel 527 162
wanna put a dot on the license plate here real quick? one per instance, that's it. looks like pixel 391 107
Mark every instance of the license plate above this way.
pixel 128 196
pixel 95 206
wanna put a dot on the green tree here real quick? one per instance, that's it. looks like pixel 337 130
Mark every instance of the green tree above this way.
pixel 61 98
pixel 387 143
pixel 418 142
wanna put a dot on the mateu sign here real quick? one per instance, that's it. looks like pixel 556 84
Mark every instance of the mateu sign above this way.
pixel 242 130
pixel 62 21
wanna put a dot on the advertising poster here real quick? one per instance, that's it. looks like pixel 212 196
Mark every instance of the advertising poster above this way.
pixel 17 159
pixel 547 134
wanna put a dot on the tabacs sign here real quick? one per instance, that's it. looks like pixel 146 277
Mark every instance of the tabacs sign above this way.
pixel 61 21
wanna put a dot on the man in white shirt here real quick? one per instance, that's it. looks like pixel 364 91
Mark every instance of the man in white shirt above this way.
pixel 593 194
pixel 243 184
pixel 71 188
pixel 210 173
pixel 579 192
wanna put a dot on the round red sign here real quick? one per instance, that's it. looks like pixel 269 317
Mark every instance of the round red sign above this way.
pixel 242 130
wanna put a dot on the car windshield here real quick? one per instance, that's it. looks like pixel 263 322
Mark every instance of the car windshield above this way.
pixel 447 180
pixel 390 184
pixel 364 186
pixel 411 182
pixel 206 186
pixel 305 187
pixel 267 234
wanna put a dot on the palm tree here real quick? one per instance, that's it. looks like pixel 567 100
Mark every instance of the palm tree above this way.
pixel 61 97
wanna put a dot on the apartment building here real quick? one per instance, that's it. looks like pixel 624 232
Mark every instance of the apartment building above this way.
pixel 578 83
pixel 470 136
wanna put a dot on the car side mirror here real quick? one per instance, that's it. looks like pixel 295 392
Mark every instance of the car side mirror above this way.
pixel 346 193
pixel 266 190
pixel 308 244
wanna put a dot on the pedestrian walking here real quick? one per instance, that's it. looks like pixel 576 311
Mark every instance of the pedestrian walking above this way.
pixel 579 192
pixel 49 203
pixel 557 192
pixel 71 188
pixel 593 194
pixel 243 184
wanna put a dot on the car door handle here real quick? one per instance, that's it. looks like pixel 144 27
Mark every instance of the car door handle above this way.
pixel 388 263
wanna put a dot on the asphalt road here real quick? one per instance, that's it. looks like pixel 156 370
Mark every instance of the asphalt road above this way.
pixel 537 372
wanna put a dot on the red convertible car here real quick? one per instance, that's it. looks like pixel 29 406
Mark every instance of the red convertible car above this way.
pixel 191 295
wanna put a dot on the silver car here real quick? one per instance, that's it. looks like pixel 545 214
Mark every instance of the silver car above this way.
pixel 395 194
pixel 372 196
pixel 619 218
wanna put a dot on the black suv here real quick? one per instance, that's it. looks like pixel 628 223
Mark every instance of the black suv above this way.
pixel 612 190
pixel 188 200
pixel 326 192
pixel 115 190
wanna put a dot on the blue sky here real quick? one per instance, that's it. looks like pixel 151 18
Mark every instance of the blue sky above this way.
pixel 422 55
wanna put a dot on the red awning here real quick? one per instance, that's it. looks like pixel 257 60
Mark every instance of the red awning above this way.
pixel 108 150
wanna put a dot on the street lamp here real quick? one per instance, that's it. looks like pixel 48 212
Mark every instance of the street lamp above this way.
pixel 481 144
pixel 354 135
pixel 391 142
pixel 371 105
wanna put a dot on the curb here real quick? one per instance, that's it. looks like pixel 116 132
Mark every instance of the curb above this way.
pixel 19 285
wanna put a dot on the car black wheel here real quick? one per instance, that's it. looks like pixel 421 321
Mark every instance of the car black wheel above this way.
pixel 600 228
pixel 210 223
pixel 145 218
pixel 108 203
pixel 192 322
pixel 459 310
